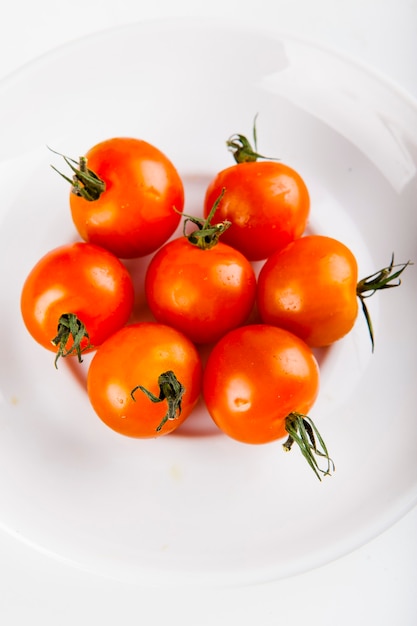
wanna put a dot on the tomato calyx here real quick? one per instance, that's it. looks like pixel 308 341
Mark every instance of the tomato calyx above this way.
pixel 85 183
pixel 171 390
pixel 383 279
pixel 302 431
pixel 70 326
pixel 206 235
pixel 242 150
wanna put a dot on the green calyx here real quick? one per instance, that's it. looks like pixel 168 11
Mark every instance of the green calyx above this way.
pixel 383 279
pixel 206 235
pixel 302 431
pixel 70 327
pixel 242 149
pixel 171 390
pixel 85 183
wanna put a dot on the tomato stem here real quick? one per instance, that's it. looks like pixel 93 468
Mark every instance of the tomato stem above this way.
pixel 206 234
pixel 171 390
pixel 302 430
pixel 70 326
pixel 85 183
pixel 383 279
pixel 241 147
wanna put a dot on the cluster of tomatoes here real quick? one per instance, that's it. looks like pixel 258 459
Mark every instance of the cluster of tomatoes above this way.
pixel 260 378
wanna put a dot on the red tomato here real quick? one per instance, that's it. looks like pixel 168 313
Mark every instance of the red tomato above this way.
pixel 267 202
pixel 145 380
pixel 255 376
pixel 201 292
pixel 309 288
pixel 77 286
pixel 259 383
pixel 134 189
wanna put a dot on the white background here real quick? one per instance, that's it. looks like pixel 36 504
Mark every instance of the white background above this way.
pixel 374 585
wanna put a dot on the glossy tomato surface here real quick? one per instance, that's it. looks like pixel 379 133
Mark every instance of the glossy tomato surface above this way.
pixel 203 293
pixel 267 202
pixel 135 213
pixel 309 288
pixel 136 356
pixel 82 279
pixel 255 377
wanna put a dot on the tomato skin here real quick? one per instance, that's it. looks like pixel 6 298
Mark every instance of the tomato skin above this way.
pixel 255 376
pixel 202 293
pixel 309 288
pixel 137 355
pixel 267 202
pixel 135 214
pixel 78 278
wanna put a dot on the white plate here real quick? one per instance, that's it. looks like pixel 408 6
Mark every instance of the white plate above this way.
pixel 197 507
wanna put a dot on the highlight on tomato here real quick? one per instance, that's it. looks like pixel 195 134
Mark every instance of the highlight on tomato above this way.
pixel 259 384
pixel 75 297
pixel 200 285
pixel 123 194
pixel 266 201
pixel 311 288
pixel 145 380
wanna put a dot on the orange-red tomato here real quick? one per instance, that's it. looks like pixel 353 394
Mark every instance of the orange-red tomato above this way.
pixel 267 202
pixel 309 288
pixel 203 293
pixel 82 280
pixel 136 356
pixel 134 214
pixel 255 377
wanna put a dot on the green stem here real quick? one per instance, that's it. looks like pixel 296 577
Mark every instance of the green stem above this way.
pixel 70 326
pixel 302 431
pixel 241 147
pixel 206 235
pixel 85 183
pixel 171 390
pixel 383 279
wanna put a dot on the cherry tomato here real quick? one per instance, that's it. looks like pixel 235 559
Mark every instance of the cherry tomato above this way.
pixel 309 288
pixel 145 380
pixel 124 195
pixel 259 383
pixel 201 292
pixel 75 297
pixel 267 203
pixel 255 376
